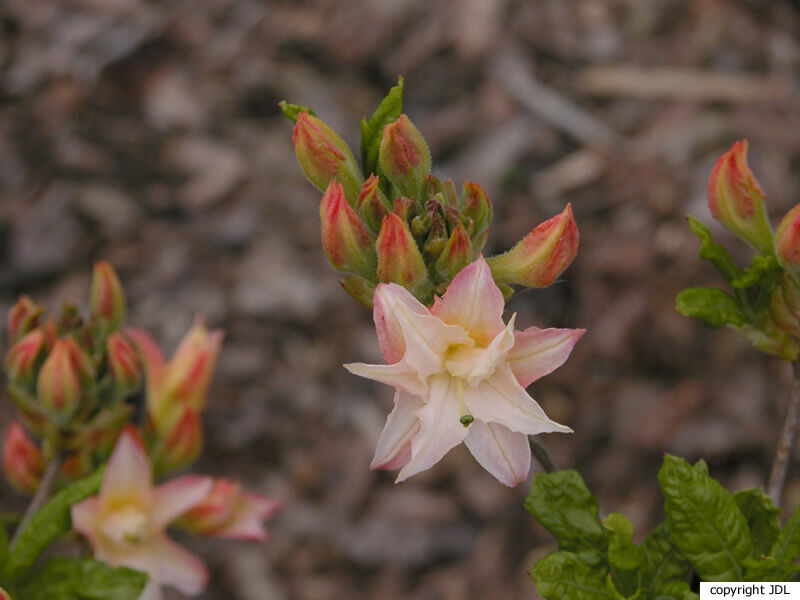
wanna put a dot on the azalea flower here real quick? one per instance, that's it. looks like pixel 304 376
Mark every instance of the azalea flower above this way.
pixel 125 523
pixel 460 375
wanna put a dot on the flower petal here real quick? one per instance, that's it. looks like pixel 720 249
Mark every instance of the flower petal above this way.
pixel 398 375
pixel 504 453
pixel 538 352
pixel 129 475
pixel 177 567
pixel 474 302
pixel 390 334
pixel 394 445
pixel 475 364
pixel 175 497
pixel 501 399
pixel 248 520
pixel 85 515
pixel 440 428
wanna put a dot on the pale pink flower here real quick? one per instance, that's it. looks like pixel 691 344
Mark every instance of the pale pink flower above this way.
pixel 460 375
pixel 125 523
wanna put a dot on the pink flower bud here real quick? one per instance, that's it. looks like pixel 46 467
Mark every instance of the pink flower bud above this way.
pixel 228 512
pixel 456 255
pixel 22 318
pixel 324 156
pixel 23 464
pixel 182 444
pixel 59 386
pixel 106 298
pixel 787 241
pixel 21 359
pixel 123 362
pixel 347 242
pixel 476 207
pixel 370 204
pixel 404 156
pixel 4 595
pixel 542 255
pixel 736 199
pixel 399 259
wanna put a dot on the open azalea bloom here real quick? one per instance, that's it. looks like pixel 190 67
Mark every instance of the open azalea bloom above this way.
pixel 125 523
pixel 460 375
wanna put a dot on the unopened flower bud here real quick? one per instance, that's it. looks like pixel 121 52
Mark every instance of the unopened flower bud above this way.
pixel 370 204
pixel 77 465
pixel 477 208
pixel 20 361
pixel 182 444
pixel 106 298
pixel 787 241
pixel 22 318
pixel 123 362
pixel 404 156
pixel 324 156
pixel 61 378
pixel 360 289
pixel 228 512
pixel 785 307
pixel 736 199
pixel 542 255
pixel 456 255
pixel 4 595
pixel 436 240
pixel 401 207
pixel 399 259
pixel 23 464
pixel 348 244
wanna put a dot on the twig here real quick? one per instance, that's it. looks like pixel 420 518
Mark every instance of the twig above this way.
pixel 41 495
pixel 542 454
pixel 777 477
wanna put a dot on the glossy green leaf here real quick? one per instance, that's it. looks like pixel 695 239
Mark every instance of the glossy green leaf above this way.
pixel 80 579
pixel 291 111
pixel 704 521
pixel 762 518
pixel 676 590
pixel 786 548
pixel 566 508
pixel 712 306
pixel 760 569
pixel 713 252
pixel 624 557
pixel 663 563
pixel 371 131
pixel 564 576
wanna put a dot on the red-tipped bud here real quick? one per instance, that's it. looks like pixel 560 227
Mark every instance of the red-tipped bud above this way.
pixel 324 156
pixel 59 386
pixel 4 595
pixel 106 298
pixel 404 156
pixel 182 444
pixel 736 199
pixel 22 318
pixel 437 238
pixel 123 362
pixel 360 289
pixel 476 208
pixel 21 359
pixel 229 512
pixel 347 242
pixel 23 464
pixel 456 255
pixel 542 255
pixel 399 259
pixel 787 241
pixel 370 205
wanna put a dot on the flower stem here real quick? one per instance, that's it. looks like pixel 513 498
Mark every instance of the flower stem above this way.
pixel 780 464
pixel 41 496
pixel 542 454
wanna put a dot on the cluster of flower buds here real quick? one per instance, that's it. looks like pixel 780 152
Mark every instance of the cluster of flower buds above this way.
pixel 392 221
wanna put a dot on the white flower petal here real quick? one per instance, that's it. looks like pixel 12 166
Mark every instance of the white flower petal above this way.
pixel 475 364
pixel 440 428
pixel 176 496
pixel 177 567
pixel 538 352
pixel 501 399
pixel 399 375
pixel 394 446
pixel 128 476
pixel 504 453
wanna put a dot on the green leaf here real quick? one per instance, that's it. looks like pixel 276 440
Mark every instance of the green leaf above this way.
pixel 761 267
pixel 80 579
pixel 624 557
pixel 713 252
pixel 563 504
pixel 762 518
pixel 564 576
pixel 786 548
pixel 371 131
pixel 712 306
pixel 291 111
pixel 676 590
pixel 663 563
pixel 50 522
pixel 704 521
pixel 760 569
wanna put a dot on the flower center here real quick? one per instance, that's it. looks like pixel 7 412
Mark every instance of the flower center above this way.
pixel 126 525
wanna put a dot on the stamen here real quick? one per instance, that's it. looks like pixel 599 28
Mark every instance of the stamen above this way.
pixel 466 418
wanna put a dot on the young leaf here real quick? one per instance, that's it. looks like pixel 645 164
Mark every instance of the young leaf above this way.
pixel 563 504
pixel 371 131
pixel 762 518
pixel 291 111
pixel 786 548
pixel 624 557
pixel 761 267
pixel 712 306
pixel 80 579
pixel 760 569
pixel 50 522
pixel 704 520
pixel 564 576
pixel 662 563
pixel 713 252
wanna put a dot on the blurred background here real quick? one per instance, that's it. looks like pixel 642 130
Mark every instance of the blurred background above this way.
pixel 148 133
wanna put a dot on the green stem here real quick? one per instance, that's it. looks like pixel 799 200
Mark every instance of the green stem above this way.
pixel 541 453
pixel 783 453
pixel 41 495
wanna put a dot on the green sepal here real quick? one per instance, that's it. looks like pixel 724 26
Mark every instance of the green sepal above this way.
pixel 291 111
pixel 704 520
pixel 65 578
pixel 715 253
pixel 762 518
pixel 564 576
pixel 786 548
pixel 713 307
pixel 624 557
pixel 563 504
pixel 371 131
